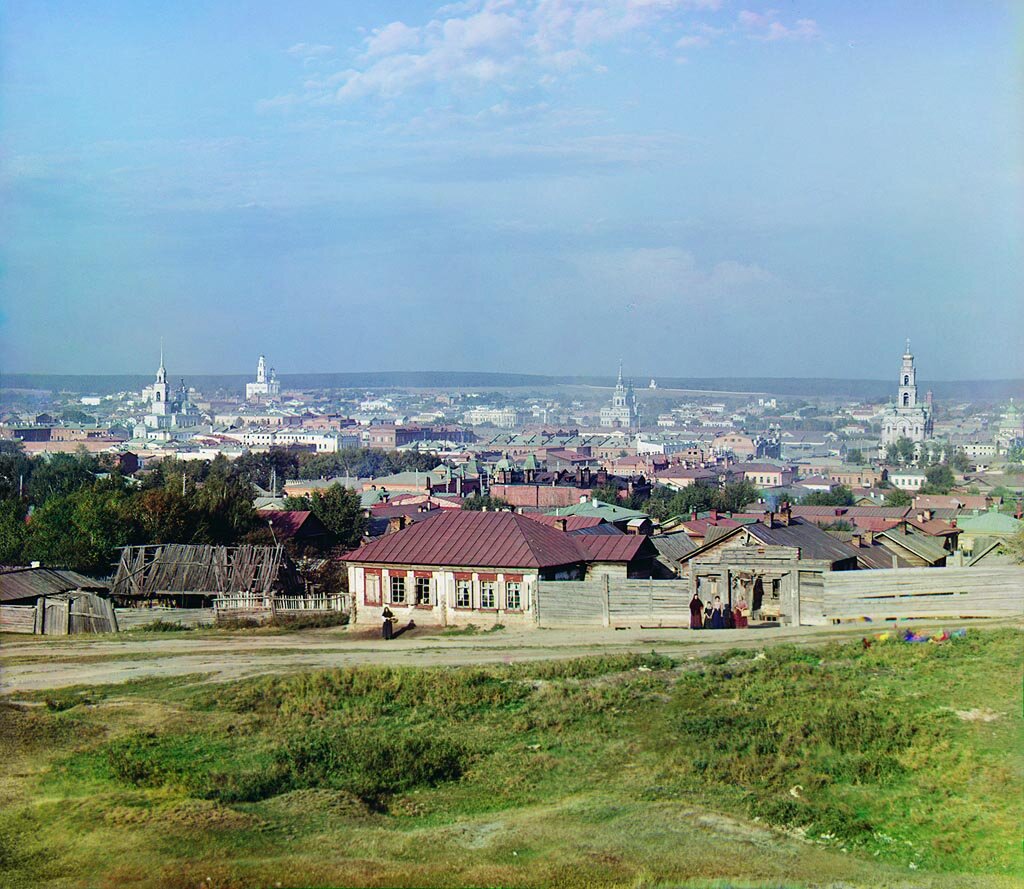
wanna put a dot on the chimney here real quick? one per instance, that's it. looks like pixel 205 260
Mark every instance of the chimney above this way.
pixel 583 498
pixel 786 514
pixel 693 515
pixel 869 537
pixel 927 515
pixel 561 523
pixel 713 515
pixel 857 541
pixel 769 518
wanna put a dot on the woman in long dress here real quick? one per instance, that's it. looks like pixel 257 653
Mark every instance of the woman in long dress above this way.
pixel 696 612
pixel 717 615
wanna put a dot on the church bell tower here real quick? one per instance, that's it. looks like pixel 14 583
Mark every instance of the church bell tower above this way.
pixel 908 381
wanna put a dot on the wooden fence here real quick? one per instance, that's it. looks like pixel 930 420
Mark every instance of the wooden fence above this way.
pixel 613 602
pixel 130 618
pixel 70 613
pixel 923 593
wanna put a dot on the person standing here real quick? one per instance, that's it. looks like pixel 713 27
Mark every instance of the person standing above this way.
pixel 388 616
pixel 741 612
pixel 696 612
pixel 717 614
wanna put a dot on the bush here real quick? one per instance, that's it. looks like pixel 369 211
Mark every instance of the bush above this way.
pixel 371 765
pixel 163 626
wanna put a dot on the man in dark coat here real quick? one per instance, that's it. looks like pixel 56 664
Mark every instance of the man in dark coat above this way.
pixel 696 613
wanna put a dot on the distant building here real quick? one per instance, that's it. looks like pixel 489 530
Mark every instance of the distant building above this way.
pixel 622 413
pixel 266 387
pixel 167 409
pixel 1011 426
pixel 907 418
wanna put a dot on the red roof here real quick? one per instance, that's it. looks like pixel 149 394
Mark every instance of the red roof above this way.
pixel 572 522
pixel 484 539
pixel 611 548
pixel 289 522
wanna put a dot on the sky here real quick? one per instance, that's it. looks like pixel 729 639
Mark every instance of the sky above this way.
pixel 697 187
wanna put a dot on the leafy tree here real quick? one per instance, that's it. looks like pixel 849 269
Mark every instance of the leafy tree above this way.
pixel 15 469
pixel 898 497
pixel 939 479
pixel 905 449
pixel 1015 547
pixel 854 457
pixel 734 496
pixel 340 511
pixel 959 461
pixel 606 494
pixel 165 515
pixel 83 530
pixel 261 469
pixel 478 502
pixel 60 475
pixel 839 496
pixel 13 531
pixel 665 503
pixel 224 504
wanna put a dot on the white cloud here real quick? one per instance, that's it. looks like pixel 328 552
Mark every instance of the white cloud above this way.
pixel 516 44
pixel 765 26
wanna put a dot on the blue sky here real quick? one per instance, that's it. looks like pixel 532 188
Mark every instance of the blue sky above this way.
pixel 702 187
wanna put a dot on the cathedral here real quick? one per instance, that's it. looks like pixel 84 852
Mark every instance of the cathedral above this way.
pixel 907 418
pixel 167 409
pixel 266 387
pixel 622 413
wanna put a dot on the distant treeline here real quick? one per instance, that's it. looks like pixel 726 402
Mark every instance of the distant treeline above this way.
pixel 104 384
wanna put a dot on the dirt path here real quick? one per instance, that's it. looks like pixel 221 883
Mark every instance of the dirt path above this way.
pixel 41 663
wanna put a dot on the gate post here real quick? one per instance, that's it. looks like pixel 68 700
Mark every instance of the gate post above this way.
pixel 606 616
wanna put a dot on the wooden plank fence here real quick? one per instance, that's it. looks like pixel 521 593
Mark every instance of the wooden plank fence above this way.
pixel 923 593
pixel 17 618
pixel 613 602
pixel 130 618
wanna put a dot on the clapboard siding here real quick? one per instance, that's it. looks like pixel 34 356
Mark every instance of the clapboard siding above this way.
pixel 924 592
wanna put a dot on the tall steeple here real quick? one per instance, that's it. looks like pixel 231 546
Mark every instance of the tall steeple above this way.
pixel 161 372
pixel 908 381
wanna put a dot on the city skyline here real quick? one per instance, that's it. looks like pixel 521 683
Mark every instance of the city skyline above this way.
pixel 736 189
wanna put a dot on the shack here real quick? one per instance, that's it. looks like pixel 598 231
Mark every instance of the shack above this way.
pixel 54 602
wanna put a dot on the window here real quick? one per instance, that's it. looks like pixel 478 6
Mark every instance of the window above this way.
pixel 463 594
pixel 423 591
pixel 488 597
pixel 514 596
pixel 397 590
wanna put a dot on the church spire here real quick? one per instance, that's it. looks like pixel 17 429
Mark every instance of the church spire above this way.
pixel 161 373
pixel 619 381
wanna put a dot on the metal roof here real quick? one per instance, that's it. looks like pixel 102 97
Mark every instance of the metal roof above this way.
pixel 30 583
pixel 812 541
pixel 612 548
pixel 484 539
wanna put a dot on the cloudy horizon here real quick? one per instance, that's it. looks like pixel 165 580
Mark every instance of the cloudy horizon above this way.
pixel 702 188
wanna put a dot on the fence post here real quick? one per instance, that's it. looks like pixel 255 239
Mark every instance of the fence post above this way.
pixel 606 616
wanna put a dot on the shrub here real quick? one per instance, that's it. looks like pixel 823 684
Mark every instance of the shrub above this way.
pixel 371 765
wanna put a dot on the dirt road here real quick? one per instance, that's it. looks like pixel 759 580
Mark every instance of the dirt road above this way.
pixel 37 663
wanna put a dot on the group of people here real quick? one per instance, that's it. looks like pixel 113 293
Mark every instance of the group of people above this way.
pixel 715 615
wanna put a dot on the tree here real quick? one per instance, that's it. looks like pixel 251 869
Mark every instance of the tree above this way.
pixel 854 456
pixel 478 503
pixel 15 469
pixel 734 496
pixel 959 461
pixel 1015 547
pixel 224 506
pixel 898 497
pixel 905 450
pixel 340 511
pixel 839 496
pixel 606 494
pixel 165 515
pixel 60 475
pixel 13 531
pixel 100 522
pixel 939 479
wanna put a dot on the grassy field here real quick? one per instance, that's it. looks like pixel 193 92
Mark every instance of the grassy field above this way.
pixel 896 765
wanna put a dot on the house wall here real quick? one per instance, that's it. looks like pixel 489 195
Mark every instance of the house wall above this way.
pixel 444 611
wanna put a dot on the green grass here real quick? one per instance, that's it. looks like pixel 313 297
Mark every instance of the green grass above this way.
pixel 896 765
